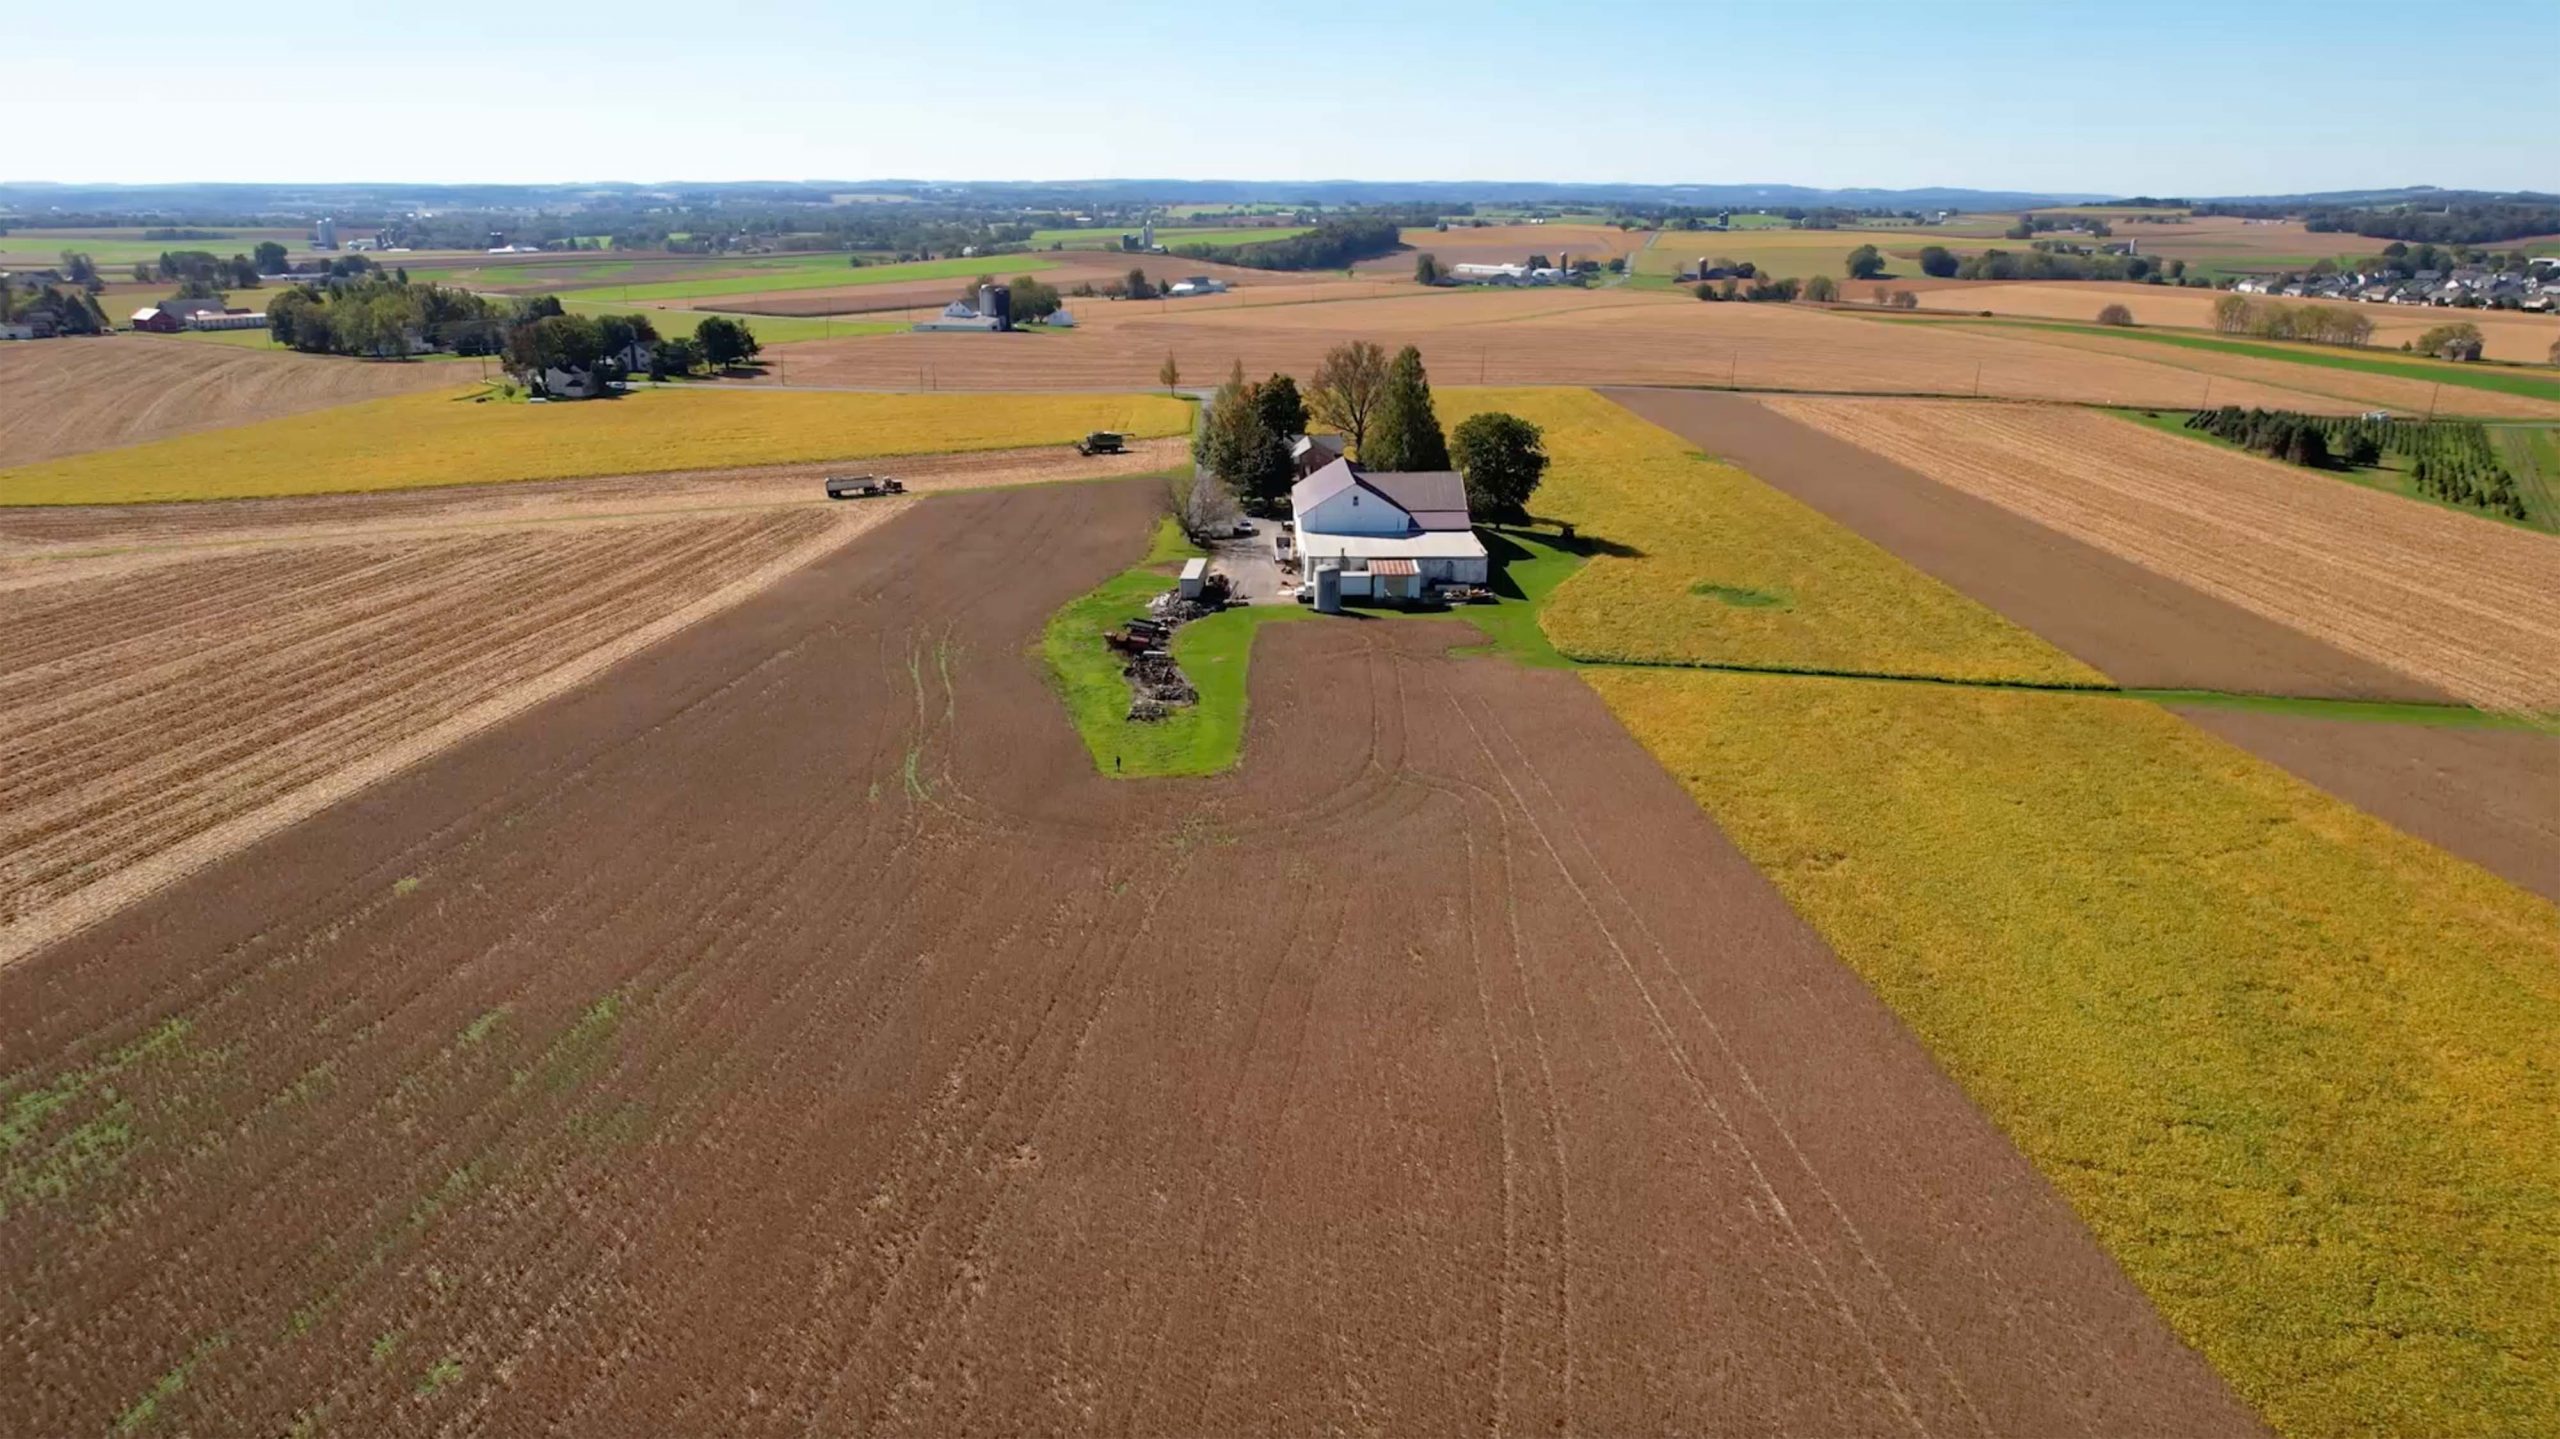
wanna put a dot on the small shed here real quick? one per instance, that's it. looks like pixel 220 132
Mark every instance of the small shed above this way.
pixel 1195 573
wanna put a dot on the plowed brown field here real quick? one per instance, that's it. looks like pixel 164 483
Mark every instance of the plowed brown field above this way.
pixel 2460 602
pixel 790 1034
pixel 61 397
pixel 1534 337
pixel 159 717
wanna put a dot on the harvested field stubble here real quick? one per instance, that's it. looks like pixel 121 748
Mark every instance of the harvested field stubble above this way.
pixel 2510 334
pixel 2454 600
pixel 797 1010
pixel 2404 394
pixel 1699 563
pixel 161 718
pixel 2289 1063
pixel 449 439
pixel 1536 337
pixel 61 397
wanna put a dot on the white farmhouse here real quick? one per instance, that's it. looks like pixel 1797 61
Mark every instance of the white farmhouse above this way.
pixel 1392 535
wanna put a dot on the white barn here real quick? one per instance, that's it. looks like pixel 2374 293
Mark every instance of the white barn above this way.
pixel 1392 535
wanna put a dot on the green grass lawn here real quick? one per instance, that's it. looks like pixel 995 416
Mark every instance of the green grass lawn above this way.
pixel 2392 475
pixel 2532 453
pixel 1216 653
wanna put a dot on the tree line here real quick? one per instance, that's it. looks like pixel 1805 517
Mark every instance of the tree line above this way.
pixel 1332 245
pixel 2268 320
pixel 2449 460
pixel 382 317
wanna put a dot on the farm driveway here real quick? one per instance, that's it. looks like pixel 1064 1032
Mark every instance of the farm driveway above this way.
pixel 789 1033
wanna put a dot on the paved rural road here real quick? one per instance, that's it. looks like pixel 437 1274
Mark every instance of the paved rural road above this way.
pixel 790 1033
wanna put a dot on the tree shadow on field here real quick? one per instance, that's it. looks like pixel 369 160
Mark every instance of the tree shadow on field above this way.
pixel 1502 552
pixel 1574 542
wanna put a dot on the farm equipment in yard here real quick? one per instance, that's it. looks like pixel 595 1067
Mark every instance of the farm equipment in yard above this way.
pixel 1138 636
pixel 862 487
pixel 1102 442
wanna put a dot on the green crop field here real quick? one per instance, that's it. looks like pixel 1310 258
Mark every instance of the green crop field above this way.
pixel 118 249
pixel 1171 237
pixel 1696 562
pixel 815 272
pixel 2290 1064
pixel 1800 253
pixel 452 438
pixel 768 329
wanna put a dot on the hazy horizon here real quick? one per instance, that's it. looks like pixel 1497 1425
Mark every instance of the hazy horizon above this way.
pixel 1981 96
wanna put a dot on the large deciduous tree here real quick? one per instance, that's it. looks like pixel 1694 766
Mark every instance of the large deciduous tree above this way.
pixel 1405 432
pixel 1345 391
pixel 1866 263
pixel 1937 261
pixel 1503 458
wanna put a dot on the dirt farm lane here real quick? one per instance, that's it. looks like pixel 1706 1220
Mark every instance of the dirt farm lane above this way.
pixel 788 1032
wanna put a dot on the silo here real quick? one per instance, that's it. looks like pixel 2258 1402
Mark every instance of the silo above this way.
pixel 1329 589
pixel 996 303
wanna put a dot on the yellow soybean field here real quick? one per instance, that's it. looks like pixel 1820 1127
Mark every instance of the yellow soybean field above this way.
pixel 458 438
pixel 2290 1064
pixel 1699 563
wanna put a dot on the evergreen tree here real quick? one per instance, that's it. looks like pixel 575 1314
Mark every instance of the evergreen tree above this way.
pixel 1284 410
pixel 1406 433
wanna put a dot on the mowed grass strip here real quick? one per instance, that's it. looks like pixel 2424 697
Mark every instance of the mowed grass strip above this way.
pixel 450 439
pixel 2292 1066
pixel 1697 563
pixel 1215 655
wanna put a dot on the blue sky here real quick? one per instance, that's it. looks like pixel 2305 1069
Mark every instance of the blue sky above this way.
pixel 2179 97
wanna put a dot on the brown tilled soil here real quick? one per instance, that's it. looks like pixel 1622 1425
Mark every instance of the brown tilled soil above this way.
pixel 60 397
pixel 2459 601
pixel 160 716
pixel 2490 796
pixel 2140 626
pixel 791 1033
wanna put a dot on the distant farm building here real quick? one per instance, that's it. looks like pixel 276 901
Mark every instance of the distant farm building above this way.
pixel 1385 535
pixel 228 320
pixel 1196 285
pixel 170 316
pixel 991 315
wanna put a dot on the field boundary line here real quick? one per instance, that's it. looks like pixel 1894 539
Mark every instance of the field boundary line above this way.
pixel 88 905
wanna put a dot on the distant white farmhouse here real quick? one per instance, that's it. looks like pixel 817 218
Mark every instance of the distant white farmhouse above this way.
pixel 1391 535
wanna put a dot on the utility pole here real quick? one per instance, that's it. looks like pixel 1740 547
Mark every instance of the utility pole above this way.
pixel 1977 379
pixel 2431 400
pixel 2208 394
